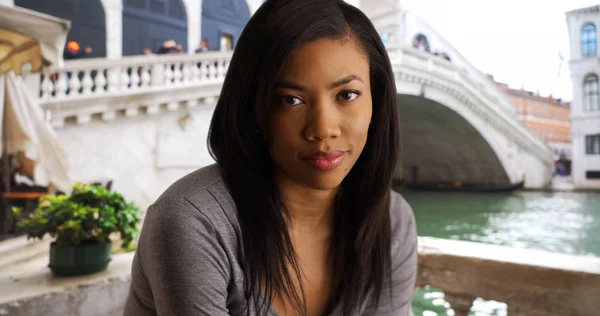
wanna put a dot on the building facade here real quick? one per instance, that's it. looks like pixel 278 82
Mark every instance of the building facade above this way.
pixel 115 28
pixel 583 27
pixel 547 117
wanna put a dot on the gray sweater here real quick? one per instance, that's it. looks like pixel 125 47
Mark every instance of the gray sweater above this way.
pixel 188 260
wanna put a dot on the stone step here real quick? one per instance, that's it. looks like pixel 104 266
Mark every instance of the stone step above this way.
pixel 20 256
pixel 38 292
pixel 18 250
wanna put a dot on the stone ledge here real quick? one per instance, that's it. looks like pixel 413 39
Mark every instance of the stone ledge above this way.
pixel 530 282
pixel 40 293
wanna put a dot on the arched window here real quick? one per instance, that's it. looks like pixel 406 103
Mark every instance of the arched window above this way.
pixel 88 22
pixel 590 93
pixel 152 24
pixel 589 42
pixel 223 22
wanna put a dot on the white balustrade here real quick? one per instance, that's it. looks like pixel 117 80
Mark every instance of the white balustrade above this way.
pixel 134 74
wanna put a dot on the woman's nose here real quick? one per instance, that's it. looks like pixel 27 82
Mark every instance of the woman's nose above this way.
pixel 323 121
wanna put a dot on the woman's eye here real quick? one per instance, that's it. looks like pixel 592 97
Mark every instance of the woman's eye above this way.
pixel 290 100
pixel 349 95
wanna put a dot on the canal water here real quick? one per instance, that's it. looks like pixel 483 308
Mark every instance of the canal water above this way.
pixel 566 222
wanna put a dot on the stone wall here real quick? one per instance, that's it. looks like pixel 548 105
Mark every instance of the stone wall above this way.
pixel 142 155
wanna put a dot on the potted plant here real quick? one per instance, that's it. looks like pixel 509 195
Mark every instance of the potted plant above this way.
pixel 81 224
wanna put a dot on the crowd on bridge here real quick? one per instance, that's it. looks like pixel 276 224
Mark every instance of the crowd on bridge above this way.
pixel 73 49
pixel 421 43
pixel 171 47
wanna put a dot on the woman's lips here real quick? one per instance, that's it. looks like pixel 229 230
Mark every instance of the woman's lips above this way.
pixel 326 160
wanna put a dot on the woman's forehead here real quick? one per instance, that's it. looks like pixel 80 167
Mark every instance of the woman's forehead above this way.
pixel 326 58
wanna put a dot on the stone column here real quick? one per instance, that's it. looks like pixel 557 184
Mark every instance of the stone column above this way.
pixel 194 15
pixel 113 10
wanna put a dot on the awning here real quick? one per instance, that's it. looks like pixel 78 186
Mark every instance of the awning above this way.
pixel 25 33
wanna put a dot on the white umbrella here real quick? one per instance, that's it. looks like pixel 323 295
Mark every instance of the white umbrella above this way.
pixel 25 130
pixel 30 37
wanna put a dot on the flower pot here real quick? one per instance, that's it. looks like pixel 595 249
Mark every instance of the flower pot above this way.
pixel 79 260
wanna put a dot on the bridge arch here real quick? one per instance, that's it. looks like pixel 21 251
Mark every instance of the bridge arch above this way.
pixel 439 145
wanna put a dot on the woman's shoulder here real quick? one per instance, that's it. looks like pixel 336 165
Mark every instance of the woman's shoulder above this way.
pixel 199 197
pixel 194 182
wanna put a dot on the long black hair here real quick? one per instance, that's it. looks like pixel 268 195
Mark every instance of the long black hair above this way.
pixel 361 241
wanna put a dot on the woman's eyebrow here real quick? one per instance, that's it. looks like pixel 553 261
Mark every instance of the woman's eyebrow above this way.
pixel 345 80
pixel 290 85
pixel 283 84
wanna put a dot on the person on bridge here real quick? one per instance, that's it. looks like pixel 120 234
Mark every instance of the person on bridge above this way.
pixel 204 46
pixel 297 216
pixel 74 51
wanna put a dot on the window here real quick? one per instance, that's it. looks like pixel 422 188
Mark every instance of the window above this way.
pixel 588 40
pixel 592 174
pixel 226 43
pixel 592 144
pixel 590 93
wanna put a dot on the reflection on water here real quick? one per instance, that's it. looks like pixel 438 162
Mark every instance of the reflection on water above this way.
pixel 564 222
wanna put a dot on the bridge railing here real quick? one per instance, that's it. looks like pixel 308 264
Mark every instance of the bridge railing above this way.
pixel 133 74
pixel 530 282
pixel 86 88
pixel 438 65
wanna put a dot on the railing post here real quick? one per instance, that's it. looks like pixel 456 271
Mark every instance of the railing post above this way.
pixel 158 74
pixel 112 82
pixel 460 303
pixel 399 55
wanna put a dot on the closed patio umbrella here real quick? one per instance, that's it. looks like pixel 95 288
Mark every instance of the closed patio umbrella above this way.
pixel 24 130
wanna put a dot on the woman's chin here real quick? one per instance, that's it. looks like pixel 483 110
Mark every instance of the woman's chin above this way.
pixel 323 181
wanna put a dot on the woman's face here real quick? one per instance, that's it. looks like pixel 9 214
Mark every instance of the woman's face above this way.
pixel 320 113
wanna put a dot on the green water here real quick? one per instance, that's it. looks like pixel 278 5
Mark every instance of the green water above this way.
pixel 566 222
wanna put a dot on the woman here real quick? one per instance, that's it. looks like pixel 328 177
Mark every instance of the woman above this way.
pixel 297 217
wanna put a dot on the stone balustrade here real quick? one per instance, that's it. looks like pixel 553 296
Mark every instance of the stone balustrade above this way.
pixel 104 87
pixel 530 282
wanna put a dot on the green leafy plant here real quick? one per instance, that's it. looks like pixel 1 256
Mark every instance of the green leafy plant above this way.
pixel 89 215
